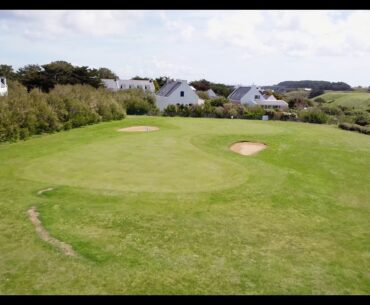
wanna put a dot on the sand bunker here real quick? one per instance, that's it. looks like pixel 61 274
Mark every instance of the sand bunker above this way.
pixel 44 235
pixel 139 129
pixel 247 148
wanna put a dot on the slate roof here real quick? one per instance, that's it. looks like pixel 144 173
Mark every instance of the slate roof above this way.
pixel 237 94
pixel 168 88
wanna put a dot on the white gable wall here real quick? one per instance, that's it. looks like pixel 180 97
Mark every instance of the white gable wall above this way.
pixel 249 97
pixel 3 87
pixel 190 97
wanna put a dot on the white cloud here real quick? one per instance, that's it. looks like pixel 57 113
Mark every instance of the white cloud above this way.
pixel 177 27
pixel 295 33
pixel 59 24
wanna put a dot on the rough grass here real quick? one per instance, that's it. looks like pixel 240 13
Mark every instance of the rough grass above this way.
pixel 176 212
pixel 349 99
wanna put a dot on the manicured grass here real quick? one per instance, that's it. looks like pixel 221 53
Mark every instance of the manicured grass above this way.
pixel 349 99
pixel 176 212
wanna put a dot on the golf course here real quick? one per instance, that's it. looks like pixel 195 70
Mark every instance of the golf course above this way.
pixel 172 209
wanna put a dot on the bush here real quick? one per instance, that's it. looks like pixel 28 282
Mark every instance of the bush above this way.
pixel 254 112
pixel 24 114
pixel 313 115
pixel 355 127
pixel 320 100
pixel 299 102
pixel 170 110
pixel 219 101
pixel 362 119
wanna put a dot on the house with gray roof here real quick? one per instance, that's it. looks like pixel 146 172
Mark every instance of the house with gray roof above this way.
pixel 211 93
pixel 123 84
pixel 3 86
pixel 253 96
pixel 177 92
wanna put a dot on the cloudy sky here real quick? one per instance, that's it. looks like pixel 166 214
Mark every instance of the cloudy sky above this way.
pixel 232 47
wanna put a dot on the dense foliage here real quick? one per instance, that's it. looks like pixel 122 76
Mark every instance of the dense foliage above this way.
pixel 315 84
pixel 23 113
pixel 219 89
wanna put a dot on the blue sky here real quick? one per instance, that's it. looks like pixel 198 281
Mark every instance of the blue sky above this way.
pixel 232 47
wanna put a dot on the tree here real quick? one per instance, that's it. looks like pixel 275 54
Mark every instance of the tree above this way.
pixel 162 80
pixel 7 71
pixel 31 77
pixel 140 78
pixel 201 85
pixel 107 73
pixel 316 92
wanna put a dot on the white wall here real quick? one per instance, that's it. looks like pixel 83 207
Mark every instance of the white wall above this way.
pixel 190 97
pixel 249 98
pixel 3 87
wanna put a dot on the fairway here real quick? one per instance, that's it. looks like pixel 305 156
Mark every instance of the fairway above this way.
pixel 175 211
pixel 349 99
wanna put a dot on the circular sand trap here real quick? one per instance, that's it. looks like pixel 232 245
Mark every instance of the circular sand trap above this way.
pixel 247 148
pixel 139 129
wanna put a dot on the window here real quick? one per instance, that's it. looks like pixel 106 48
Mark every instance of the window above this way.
pixel 130 86
pixel 257 97
pixel 182 93
pixel 146 87
pixel 138 86
pixel 121 86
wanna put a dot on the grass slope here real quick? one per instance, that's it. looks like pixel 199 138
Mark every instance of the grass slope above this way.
pixel 176 212
pixel 348 99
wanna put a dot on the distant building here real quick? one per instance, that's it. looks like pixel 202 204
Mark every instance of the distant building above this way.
pixel 121 84
pixel 3 86
pixel 253 96
pixel 177 92
pixel 211 93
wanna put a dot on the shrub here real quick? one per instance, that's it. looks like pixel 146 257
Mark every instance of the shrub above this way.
pixel 320 100
pixel 299 102
pixel 219 101
pixel 362 119
pixel 313 115
pixel 254 112
pixel 355 127
pixel 170 110
pixel 203 95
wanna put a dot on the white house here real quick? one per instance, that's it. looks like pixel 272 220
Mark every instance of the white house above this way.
pixel 121 84
pixel 177 92
pixel 252 96
pixel 211 93
pixel 3 86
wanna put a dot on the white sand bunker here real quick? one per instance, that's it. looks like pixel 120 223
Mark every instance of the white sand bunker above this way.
pixel 247 148
pixel 139 129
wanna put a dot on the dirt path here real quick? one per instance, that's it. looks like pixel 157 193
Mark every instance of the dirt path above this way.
pixel 139 129
pixel 247 148
pixel 44 235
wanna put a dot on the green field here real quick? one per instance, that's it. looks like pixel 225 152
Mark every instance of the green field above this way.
pixel 349 99
pixel 176 212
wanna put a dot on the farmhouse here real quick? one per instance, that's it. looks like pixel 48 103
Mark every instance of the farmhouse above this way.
pixel 3 86
pixel 253 96
pixel 177 92
pixel 121 84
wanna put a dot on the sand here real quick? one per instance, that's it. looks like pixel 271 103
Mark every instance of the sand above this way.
pixel 247 148
pixel 139 129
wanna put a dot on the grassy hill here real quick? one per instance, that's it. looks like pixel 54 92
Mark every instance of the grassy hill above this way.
pixel 348 99
pixel 176 212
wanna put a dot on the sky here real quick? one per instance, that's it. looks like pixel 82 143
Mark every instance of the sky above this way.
pixel 241 47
